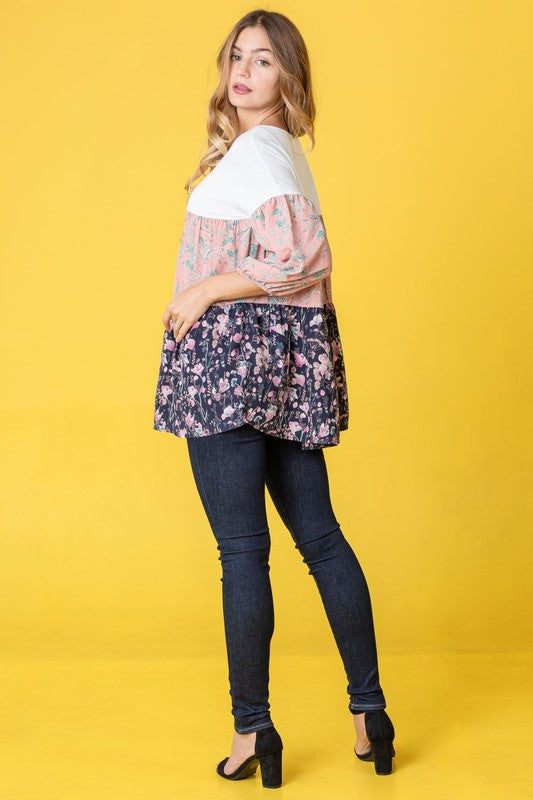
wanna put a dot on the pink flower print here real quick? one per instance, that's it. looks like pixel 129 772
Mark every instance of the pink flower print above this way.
pixel 323 365
pixel 276 380
pixel 236 337
pixel 298 379
pixel 166 390
pixel 323 430
pixel 299 360
pixel 223 385
pixel 190 344
pixel 261 357
pixel 295 427
pixel 192 390
pixel 242 369
pixel 229 411
pixel 170 344
pixel 317 320
pixel 189 420
pixel 198 368
pixel 223 324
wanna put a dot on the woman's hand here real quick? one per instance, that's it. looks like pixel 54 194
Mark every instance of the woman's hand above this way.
pixel 186 307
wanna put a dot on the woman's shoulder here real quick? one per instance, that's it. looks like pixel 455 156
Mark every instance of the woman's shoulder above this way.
pixel 272 162
pixel 271 149
pixel 263 162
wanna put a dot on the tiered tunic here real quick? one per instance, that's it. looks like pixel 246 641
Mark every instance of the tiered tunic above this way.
pixel 275 360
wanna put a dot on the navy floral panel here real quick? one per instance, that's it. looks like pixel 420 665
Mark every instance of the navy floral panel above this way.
pixel 276 367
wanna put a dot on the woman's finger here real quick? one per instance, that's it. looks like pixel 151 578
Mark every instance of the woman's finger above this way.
pixel 179 328
pixel 181 333
pixel 166 318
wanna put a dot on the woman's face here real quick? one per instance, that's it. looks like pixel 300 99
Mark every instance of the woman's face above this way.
pixel 252 66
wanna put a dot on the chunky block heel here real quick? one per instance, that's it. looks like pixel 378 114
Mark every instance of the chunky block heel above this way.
pixel 380 733
pixel 382 753
pixel 267 755
pixel 271 770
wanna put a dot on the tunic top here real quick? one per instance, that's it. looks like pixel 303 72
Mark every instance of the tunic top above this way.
pixel 275 360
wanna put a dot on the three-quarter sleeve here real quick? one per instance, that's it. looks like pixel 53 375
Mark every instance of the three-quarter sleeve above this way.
pixel 290 231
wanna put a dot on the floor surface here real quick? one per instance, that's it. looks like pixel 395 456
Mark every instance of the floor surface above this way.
pixel 112 729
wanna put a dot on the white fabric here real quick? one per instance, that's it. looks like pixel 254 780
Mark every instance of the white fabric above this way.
pixel 262 162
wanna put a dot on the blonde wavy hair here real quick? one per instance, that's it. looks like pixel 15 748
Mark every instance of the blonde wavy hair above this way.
pixel 290 54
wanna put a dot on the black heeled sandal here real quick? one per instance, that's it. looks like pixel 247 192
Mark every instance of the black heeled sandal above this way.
pixel 267 755
pixel 380 732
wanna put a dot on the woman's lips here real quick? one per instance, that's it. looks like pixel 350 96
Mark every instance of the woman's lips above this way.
pixel 240 88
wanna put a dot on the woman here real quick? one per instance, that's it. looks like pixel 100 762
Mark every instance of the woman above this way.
pixel 252 375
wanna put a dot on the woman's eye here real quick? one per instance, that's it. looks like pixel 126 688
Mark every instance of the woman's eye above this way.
pixel 236 55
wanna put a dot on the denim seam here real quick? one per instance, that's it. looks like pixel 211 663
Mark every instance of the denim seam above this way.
pixel 337 523
pixel 282 504
pixel 201 476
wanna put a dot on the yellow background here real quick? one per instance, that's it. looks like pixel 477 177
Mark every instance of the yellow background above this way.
pixel 423 167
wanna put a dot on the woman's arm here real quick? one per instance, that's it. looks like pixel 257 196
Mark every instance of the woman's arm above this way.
pixel 230 285
pixel 189 304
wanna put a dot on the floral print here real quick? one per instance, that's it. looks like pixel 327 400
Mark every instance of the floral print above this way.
pixel 283 223
pixel 291 233
pixel 273 360
pixel 277 367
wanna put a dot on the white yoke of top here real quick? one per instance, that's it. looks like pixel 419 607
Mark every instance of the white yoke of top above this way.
pixel 262 162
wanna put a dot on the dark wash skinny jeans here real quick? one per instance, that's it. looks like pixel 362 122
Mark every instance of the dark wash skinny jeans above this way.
pixel 230 470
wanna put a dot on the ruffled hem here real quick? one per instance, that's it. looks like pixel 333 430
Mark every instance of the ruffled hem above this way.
pixel 277 367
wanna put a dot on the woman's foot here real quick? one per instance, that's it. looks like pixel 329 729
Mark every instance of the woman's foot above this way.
pixel 362 745
pixel 243 747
